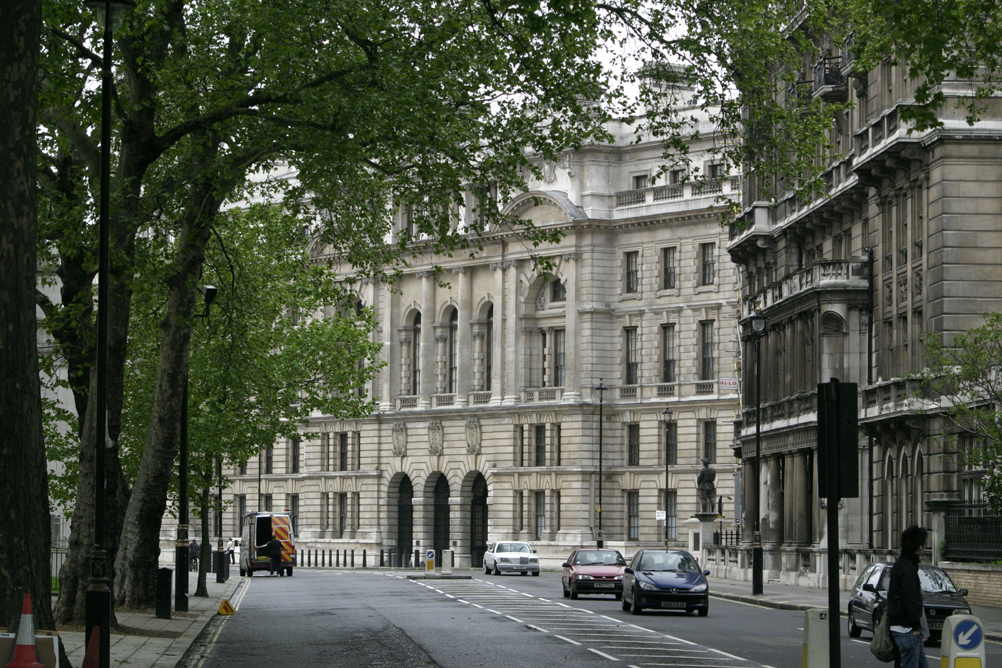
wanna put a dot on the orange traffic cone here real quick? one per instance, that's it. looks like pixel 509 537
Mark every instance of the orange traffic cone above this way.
pixel 25 655
pixel 92 658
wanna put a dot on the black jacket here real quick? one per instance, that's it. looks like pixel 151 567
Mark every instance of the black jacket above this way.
pixel 273 549
pixel 904 594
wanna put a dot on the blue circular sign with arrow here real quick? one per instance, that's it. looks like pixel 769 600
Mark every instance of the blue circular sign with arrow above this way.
pixel 967 635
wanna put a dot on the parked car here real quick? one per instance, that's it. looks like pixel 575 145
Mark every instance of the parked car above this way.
pixel 504 557
pixel 667 580
pixel 941 596
pixel 593 572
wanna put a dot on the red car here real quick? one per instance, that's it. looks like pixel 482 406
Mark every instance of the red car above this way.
pixel 589 571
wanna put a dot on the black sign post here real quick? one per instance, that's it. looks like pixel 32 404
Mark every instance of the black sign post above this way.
pixel 838 478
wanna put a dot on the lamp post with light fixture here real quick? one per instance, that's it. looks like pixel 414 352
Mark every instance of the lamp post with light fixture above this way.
pixel 758 325
pixel 666 416
pixel 97 601
pixel 601 393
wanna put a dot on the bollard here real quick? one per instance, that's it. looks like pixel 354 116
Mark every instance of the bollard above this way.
pixel 363 558
pixel 163 593
pixel 447 562
pixel 381 562
pixel 417 558
pixel 353 557
pixel 815 639
pixel 963 643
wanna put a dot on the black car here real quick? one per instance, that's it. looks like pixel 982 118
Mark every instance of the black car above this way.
pixel 941 596
pixel 666 580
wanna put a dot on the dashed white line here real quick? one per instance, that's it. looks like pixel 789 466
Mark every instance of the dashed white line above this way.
pixel 573 642
pixel 514 619
pixel 533 626
pixel 611 658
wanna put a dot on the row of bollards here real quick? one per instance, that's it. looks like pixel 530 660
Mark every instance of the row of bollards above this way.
pixel 346 559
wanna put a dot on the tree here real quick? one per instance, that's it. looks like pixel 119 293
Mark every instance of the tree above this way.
pixel 24 517
pixel 964 376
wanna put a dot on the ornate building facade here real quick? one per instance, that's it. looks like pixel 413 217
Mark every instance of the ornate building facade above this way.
pixel 487 425
pixel 903 243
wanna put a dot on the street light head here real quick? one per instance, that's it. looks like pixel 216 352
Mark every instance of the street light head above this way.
pixel 666 415
pixel 116 7
pixel 208 293
pixel 758 321
pixel 601 387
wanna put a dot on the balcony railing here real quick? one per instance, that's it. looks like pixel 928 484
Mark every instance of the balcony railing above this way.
pixel 443 400
pixel 542 395
pixel 678 191
pixel 824 274
pixel 828 72
pixel 407 402
pixel 480 398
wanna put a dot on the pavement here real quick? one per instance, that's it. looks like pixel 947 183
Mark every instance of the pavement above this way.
pixel 150 642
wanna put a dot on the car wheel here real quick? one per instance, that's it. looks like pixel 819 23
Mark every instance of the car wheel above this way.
pixel 635 608
pixel 567 594
pixel 525 572
pixel 242 571
pixel 497 571
pixel 535 574
pixel 703 612
pixel 854 631
pixel 626 604
pixel 574 593
pixel 619 597
pixel 288 572
pixel 487 569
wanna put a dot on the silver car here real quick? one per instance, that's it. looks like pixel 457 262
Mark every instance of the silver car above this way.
pixel 504 557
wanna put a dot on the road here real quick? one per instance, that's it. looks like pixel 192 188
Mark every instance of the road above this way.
pixel 366 619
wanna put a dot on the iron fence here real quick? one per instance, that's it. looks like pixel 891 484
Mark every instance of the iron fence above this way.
pixel 973 533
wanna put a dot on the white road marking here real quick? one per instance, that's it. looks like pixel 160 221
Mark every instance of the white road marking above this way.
pixel 573 642
pixel 611 658
pixel 533 626
pixel 514 619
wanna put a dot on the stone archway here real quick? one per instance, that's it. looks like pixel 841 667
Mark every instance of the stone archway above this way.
pixel 478 520
pixel 440 521
pixel 405 522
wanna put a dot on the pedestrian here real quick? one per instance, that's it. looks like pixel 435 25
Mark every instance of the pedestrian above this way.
pixel 193 548
pixel 273 550
pixel 229 549
pixel 906 611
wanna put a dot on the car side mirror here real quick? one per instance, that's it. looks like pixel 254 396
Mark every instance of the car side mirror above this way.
pixel 869 587
pixel 963 592
pixel 565 565
pixel 628 570
pixel 706 572
pixel 534 551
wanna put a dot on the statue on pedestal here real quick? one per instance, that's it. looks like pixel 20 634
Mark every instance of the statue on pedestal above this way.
pixel 707 488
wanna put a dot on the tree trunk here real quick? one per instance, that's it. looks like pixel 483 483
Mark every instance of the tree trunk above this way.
pixel 206 547
pixel 25 540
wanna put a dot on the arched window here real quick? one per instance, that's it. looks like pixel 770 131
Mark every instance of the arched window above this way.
pixel 904 499
pixel 416 355
pixel 889 523
pixel 557 291
pixel 453 346
pixel 489 348
pixel 918 490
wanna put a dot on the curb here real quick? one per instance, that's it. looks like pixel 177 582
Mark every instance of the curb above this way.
pixel 766 603
pixel 177 653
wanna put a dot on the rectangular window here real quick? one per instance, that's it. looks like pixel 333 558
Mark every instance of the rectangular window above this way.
pixel 241 511
pixel 640 181
pixel 633 445
pixel 715 171
pixel 520 510
pixel 707 263
pixel 671 514
pixel 559 361
pixel 668 268
pixel 269 459
pixel 707 366
pixel 710 441
pixel 632 369
pixel 556 510
pixel 294 455
pixel 543 359
pixel 557 448
pixel 266 502
pixel 356 453
pixel 294 512
pixel 675 176
pixel 558 292
pixel 342 452
pixel 671 443
pixel 325 440
pixel 342 514
pixel 631 269
pixel 633 515
pixel 242 468
pixel 668 363
pixel 540 459
pixel 540 514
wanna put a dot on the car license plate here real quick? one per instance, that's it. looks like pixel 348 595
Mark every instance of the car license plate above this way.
pixel 672 604
pixel 606 585
pixel 519 568
pixel 936 625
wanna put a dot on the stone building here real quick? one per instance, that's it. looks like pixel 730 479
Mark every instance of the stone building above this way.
pixel 488 415
pixel 904 242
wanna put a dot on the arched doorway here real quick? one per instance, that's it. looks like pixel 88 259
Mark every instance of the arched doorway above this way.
pixel 440 540
pixel 478 521
pixel 405 521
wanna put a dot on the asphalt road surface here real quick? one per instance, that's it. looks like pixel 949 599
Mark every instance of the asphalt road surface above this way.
pixel 366 619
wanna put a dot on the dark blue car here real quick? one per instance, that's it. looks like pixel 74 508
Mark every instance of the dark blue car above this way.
pixel 665 580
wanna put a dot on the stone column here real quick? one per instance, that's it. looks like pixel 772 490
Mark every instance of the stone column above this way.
pixel 501 361
pixel 572 368
pixel 478 357
pixel 427 338
pixel 748 492
pixel 390 353
pixel 514 349
pixel 464 354
pixel 441 357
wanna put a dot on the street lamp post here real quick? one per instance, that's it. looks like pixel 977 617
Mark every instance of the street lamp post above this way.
pixel 758 324
pixel 601 394
pixel 182 558
pixel 97 601
pixel 667 417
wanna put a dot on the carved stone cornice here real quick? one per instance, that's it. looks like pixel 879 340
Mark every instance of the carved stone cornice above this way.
pixel 570 257
pixel 460 270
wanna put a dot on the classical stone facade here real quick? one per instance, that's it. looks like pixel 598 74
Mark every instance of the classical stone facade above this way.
pixel 904 242
pixel 488 415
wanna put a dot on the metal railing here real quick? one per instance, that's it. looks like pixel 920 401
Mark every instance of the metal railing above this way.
pixel 972 533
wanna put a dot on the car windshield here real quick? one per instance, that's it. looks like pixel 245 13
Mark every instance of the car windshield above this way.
pixel 935 580
pixel 676 563
pixel 598 558
pixel 513 547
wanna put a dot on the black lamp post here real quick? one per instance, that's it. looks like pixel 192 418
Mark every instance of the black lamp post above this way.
pixel 666 415
pixel 758 325
pixel 97 602
pixel 182 558
pixel 601 394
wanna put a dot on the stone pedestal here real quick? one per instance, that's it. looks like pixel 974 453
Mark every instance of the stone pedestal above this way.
pixel 706 521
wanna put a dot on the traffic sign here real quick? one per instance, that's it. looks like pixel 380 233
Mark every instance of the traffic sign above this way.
pixel 659 515
pixel 225 608
pixel 430 554
pixel 968 635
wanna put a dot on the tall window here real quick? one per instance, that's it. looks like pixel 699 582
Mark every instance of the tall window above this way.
pixel 633 445
pixel 241 511
pixel 707 366
pixel 416 356
pixel 489 348
pixel 540 504
pixel 556 445
pixel 640 181
pixel 342 452
pixel 671 514
pixel 668 268
pixel 242 468
pixel 266 502
pixel 540 457
pixel 453 345
pixel 707 263
pixel 633 515
pixel 710 441
pixel 342 514
pixel 631 266
pixel 630 349
pixel 556 510
pixel 557 291
pixel 668 362
pixel 269 459
pixel 543 360
pixel 559 361
pixel 294 455
pixel 671 443
pixel 294 512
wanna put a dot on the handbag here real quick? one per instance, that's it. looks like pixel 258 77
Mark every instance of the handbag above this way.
pixel 882 645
